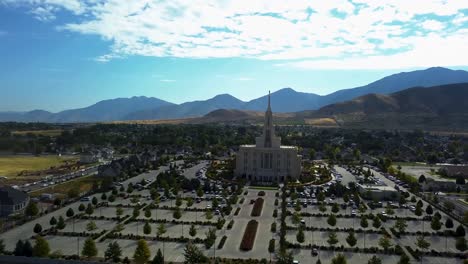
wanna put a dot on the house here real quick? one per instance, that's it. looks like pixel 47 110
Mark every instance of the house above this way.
pixel 455 171
pixel 12 201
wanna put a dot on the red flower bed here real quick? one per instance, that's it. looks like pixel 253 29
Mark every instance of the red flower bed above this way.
pixel 257 208
pixel 249 235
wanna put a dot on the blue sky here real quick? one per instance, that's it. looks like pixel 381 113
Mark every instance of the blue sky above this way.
pixel 62 54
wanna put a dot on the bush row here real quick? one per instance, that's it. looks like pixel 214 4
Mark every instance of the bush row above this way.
pixel 158 238
pixel 221 242
pixel 257 207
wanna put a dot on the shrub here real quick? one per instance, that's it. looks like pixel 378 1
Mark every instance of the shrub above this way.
pixel 261 193
pixel 237 211
pixel 221 243
pixel 273 227
pixel 231 223
pixel 249 235
pixel 257 208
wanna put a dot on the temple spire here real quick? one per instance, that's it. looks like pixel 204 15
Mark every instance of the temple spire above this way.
pixel 269 108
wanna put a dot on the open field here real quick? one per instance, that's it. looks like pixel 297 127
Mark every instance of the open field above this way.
pixel 82 185
pixel 47 133
pixel 11 166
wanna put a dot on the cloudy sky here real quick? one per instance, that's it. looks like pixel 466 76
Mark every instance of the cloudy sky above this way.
pixel 60 54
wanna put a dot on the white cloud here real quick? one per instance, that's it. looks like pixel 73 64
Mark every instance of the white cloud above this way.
pixel 167 80
pixel 264 29
pixel 244 79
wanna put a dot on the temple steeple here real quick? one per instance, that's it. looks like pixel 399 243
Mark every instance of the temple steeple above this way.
pixel 268 139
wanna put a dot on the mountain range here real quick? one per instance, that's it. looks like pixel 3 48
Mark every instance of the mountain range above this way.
pixel 285 100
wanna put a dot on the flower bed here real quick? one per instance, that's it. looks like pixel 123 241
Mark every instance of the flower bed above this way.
pixel 257 208
pixel 248 239
pixel 221 243
pixel 237 211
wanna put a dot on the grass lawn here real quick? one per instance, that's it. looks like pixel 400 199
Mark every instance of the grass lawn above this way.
pixel 48 133
pixel 10 166
pixel 82 184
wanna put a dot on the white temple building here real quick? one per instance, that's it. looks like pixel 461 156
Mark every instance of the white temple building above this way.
pixel 267 160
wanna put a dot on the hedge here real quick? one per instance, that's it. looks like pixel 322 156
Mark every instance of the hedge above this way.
pixel 221 243
pixel 257 208
pixel 249 235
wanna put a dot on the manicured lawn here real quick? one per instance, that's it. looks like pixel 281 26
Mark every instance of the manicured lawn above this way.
pixel 10 166
pixel 82 184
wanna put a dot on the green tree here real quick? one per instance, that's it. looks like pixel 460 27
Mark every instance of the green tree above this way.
pixel 94 201
pixel 70 212
pixel 31 210
pixel 210 238
pixel 460 232
pixel 178 201
pixel 193 231
pixel 104 196
pixel 89 209
pixel 374 260
pixel 284 257
pixel 460 244
pixel 335 208
pixel 136 212
pixel 161 229
pixel 28 249
pixel 61 223
pixel 2 246
pixel 339 259
pixel 119 211
pixel 113 252
pixel 418 211
pixel 331 220
pixel 300 235
pixel 81 208
pixel 142 252
pixel 404 259
pixel 41 247
pixel 385 242
pixel 332 238
pixel 364 222
pixel 193 255
pixel 435 223
pixel 37 228
pixel 91 226
pixel 449 223
pixel 189 202
pixel 351 239
pixel 177 214
pixel 376 222
pixel 53 221
pixel 19 248
pixel 158 258
pixel 322 207
pixel 297 206
pixel 147 228
pixel 89 248
pixel 400 225
pixel 147 212
pixel 429 210
pixel 422 243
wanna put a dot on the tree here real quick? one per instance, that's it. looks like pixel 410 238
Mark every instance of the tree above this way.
pixel 194 255
pixel 2 246
pixel 364 222
pixel 284 257
pixel 147 229
pixel 429 210
pixel 376 222
pixel 113 252
pixel 37 228
pixel 158 258
pixel 351 239
pixel 400 225
pixel 404 259
pixel 53 221
pixel 89 248
pixel 136 212
pixel 41 247
pixel 61 223
pixel 81 208
pixel 161 229
pixel 89 209
pixel 178 201
pixel 460 232
pixel 332 238
pixel 374 260
pixel 193 231
pixel 27 249
pixel 331 220
pixel 142 252
pixel 435 223
pixel 300 235
pixel 422 243
pixel 296 218
pixel 94 201
pixel 19 248
pixel 335 208
pixel 210 238
pixel 119 211
pixel 418 211
pixel 339 259
pixel 91 225
pixel 449 223
pixel 385 242
pixel 460 180
pixel 104 196
pixel 422 178
pixel 460 244
pixel 31 210
pixel 70 212
pixel 322 208
pixel 147 212
pixel 177 214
